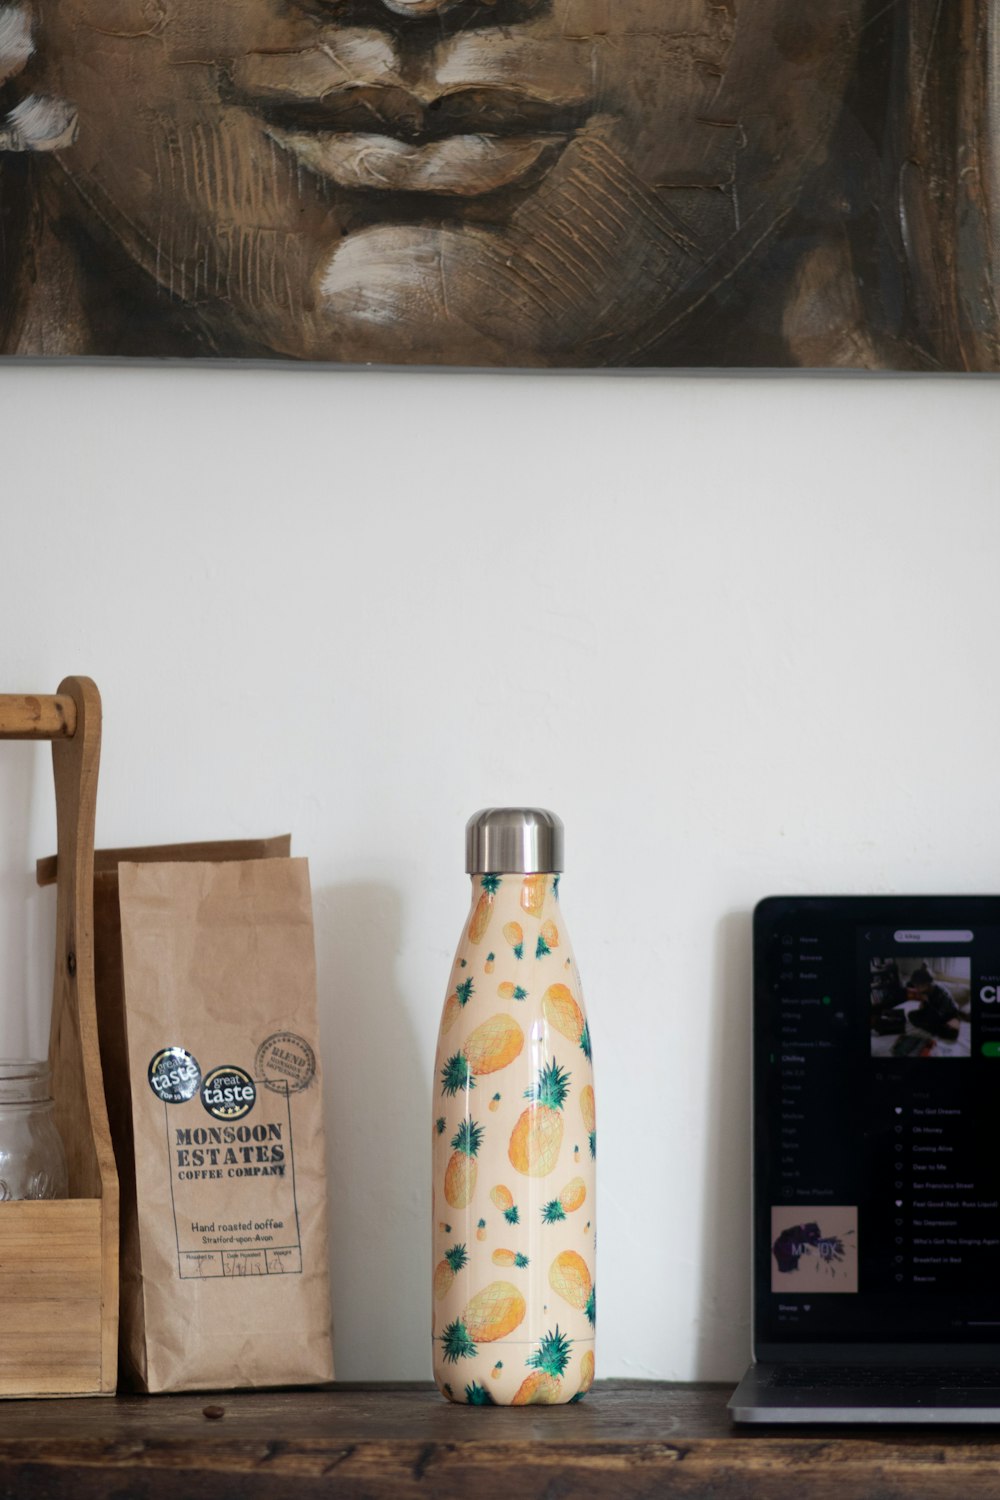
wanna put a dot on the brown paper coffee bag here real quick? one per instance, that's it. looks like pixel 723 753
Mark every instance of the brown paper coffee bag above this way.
pixel 226 1283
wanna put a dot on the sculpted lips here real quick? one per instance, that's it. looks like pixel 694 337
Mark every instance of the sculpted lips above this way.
pixel 463 165
pixel 474 123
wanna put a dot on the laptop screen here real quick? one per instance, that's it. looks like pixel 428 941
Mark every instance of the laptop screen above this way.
pixel 877 1119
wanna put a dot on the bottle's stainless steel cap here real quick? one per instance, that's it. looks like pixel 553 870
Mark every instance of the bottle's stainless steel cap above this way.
pixel 513 841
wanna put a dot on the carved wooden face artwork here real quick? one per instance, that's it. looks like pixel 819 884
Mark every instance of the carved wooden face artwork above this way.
pixel 524 182
pixel 513 182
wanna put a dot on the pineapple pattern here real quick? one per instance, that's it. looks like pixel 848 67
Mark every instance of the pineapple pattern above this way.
pixel 514 1142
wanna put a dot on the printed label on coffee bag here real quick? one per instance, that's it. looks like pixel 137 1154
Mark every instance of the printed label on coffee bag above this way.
pixel 221 1142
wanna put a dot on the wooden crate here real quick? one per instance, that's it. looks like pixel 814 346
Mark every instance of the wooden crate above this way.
pixel 59 1259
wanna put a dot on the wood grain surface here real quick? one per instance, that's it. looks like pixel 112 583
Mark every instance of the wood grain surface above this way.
pixel 37 716
pixel 627 1440
pixel 50 1294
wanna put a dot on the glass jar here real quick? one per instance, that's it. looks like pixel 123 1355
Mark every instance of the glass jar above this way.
pixel 32 1158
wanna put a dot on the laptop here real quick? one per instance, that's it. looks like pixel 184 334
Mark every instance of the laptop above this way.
pixel 876 1235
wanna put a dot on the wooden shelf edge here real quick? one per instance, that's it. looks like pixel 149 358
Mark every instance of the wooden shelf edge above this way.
pixel 628 1439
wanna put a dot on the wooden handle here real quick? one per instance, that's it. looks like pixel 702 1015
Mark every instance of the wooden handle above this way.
pixel 29 716
pixel 59 1259
pixel 74 1051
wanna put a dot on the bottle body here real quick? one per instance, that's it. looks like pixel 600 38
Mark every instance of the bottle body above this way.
pixel 513 1222
pixel 32 1158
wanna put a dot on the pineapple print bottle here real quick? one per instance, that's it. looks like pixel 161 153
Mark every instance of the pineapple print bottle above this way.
pixel 514 1134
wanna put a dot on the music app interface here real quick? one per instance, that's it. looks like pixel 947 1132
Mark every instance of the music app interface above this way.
pixel 878 1147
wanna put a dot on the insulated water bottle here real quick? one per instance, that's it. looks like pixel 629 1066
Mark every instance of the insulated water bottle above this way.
pixel 514 1134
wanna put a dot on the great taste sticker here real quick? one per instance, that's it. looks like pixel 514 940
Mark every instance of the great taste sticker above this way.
pixel 174 1075
pixel 228 1093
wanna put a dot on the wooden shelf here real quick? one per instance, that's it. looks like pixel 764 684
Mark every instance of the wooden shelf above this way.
pixel 628 1441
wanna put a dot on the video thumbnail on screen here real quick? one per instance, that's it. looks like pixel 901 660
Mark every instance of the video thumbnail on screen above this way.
pixel 920 1007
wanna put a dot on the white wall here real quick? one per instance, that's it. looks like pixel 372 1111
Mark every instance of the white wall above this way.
pixel 741 634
